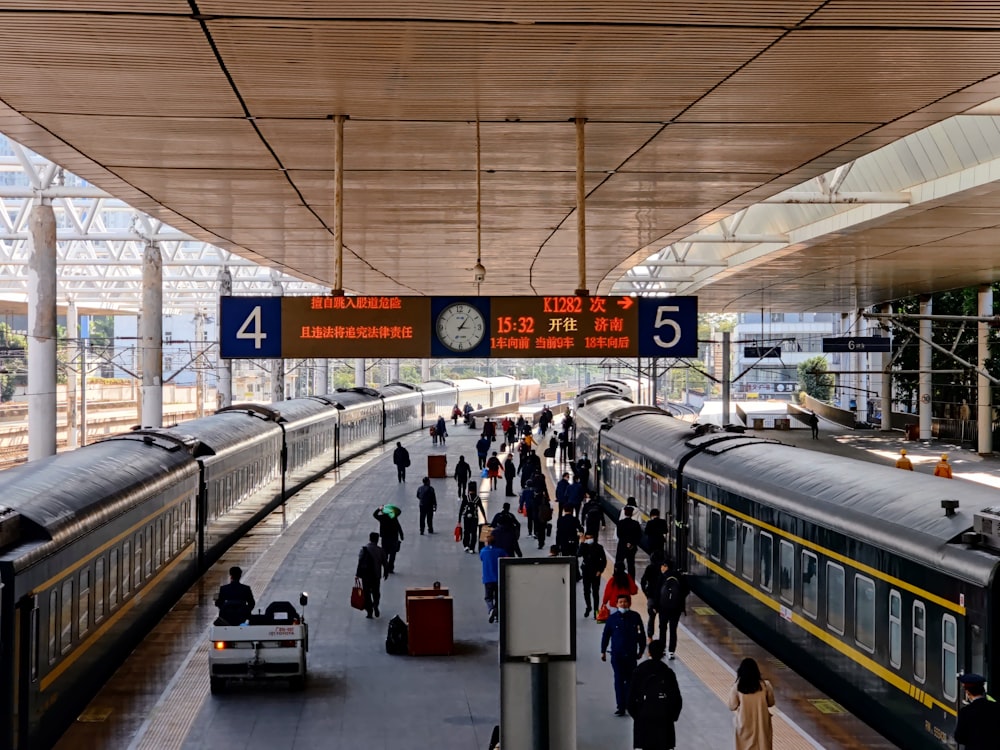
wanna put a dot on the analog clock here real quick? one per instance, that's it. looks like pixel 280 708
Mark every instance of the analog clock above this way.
pixel 460 327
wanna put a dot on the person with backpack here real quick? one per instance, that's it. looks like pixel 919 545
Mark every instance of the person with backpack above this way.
pixel 506 530
pixel 369 570
pixel 463 473
pixel 568 532
pixel 671 605
pixel 655 532
pixel 401 457
pixel 543 515
pixel 592 516
pixel 468 517
pixel 623 631
pixel 654 702
pixel 593 561
pixel 427 503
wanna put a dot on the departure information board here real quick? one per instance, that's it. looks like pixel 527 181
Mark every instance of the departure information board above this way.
pixel 416 327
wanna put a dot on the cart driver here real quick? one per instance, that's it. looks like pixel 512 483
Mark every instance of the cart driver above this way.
pixel 235 600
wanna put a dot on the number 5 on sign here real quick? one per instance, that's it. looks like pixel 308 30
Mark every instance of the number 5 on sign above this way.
pixel 250 327
pixel 668 327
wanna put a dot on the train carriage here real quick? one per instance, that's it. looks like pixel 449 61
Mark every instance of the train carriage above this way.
pixel 503 390
pixel 439 397
pixel 402 410
pixel 360 419
pixel 858 576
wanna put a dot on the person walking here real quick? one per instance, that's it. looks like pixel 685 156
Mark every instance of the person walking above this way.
pixel 568 532
pixel 903 462
pixel 650 583
pixel 463 473
pixel 943 468
pixel 401 457
pixel 655 532
pixel 428 505
pixel 442 430
pixel 583 467
pixel 979 718
pixel 369 570
pixel 506 530
pixel 629 536
pixel 593 561
pixel 813 421
pixel 562 490
pixel 490 557
pixel 509 472
pixel 391 534
pixel 493 468
pixel 456 413
pixel 671 604
pixel 619 583
pixel 750 698
pixel 654 702
pixel 482 448
pixel 543 515
pixel 469 513
pixel 592 515
pixel 623 631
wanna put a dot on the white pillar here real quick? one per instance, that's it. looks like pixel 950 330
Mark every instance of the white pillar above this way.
pixel 199 373
pixel 726 353
pixel 224 368
pixel 924 378
pixel 394 369
pixel 359 372
pixel 321 374
pixel 73 355
pixel 885 389
pixel 278 371
pixel 151 336
pixel 42 332
pixel 984 410
pixel 425 370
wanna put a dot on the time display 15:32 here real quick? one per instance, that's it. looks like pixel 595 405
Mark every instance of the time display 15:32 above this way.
pixel 507 324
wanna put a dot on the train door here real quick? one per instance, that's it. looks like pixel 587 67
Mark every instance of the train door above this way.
pixel 24 654
pixel 679 525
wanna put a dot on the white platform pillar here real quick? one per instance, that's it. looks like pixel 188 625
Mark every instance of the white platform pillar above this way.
pixel 984 410
pixel 224 368
pixel 42 332
pixel 924 378
pixel 151 336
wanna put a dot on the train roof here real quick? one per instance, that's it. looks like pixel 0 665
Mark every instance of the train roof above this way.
pixel 398 389
pixel 222 432
pixel 69 494
pixel 292 410
pixel 344 398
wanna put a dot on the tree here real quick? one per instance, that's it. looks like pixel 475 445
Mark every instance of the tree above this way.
pixel 814 378
pixel 13 361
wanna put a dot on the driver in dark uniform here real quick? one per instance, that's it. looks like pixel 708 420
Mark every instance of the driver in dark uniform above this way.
pixel 235 600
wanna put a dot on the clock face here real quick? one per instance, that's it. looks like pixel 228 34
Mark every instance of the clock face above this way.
pixel 460 327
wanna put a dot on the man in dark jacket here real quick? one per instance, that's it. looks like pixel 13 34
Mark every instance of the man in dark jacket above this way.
pixel 593 561
pixel 463 473
pixel 583 467
pixel 656 533
pixel 543 514
pixel 391 534
pixel 654 702
pixel 235 600
pixel 369 570
pixel 506 530
pixel 672 603
pixel 469 513
pixel 624 632
pixel 562 490
pixel 568 533
pixel 401 457
pixel 509 472
pixel 629 535
pixel 652 579
pixel 977 721
pixel 482 449
pixel 592 515
pixel 427 502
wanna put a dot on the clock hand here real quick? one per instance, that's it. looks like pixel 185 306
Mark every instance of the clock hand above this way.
pixel 463 324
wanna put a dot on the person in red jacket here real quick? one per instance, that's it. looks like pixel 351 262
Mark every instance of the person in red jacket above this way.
pixel 619 583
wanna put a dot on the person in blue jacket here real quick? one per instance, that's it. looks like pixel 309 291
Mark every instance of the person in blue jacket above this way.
pixel 490 556
pixel 624 631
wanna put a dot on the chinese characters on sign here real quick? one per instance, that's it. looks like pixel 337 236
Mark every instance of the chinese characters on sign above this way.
pixel 563 326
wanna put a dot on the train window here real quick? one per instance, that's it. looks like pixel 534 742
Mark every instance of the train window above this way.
pixel 137 561
pixel 730 559
pixel 112 580
pixel 895 628
pixel 701 526
pixel 35 643
pixel 835 598
pixel 810 583
pixel 53 624
pixel 83 614
pixel 786 571
pixel 66 617
pixel 864 612
pixel 99 589
pixel 766 558
pixel 746 539
pixel 148 557
pixel 949 657
pixel 919 642
pixel 715 535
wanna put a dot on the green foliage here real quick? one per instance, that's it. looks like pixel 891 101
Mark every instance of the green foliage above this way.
pixel 814 378
pixel 14 365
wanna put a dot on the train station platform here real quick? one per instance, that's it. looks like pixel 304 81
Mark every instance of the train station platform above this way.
pixel 359 696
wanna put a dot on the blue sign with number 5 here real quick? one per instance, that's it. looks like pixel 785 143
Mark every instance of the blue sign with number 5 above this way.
pixel 668 327
pixel 250 327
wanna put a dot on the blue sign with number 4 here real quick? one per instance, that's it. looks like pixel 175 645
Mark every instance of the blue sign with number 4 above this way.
pixel 668 327
pixel 250 327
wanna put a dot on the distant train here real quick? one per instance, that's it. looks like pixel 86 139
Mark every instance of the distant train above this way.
pixel 98 543
pixel 881 586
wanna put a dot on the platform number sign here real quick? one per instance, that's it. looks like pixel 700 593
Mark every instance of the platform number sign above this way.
pixel 668 327
pixel 250 327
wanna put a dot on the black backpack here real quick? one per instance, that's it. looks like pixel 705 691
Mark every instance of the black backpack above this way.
pixel 396 641
pixel 658 699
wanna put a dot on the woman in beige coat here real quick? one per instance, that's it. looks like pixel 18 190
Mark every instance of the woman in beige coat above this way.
pixel 750 698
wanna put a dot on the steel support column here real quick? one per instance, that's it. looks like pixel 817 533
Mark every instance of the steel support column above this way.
pixel 73 355
pixel 925 378
pixel 42 332
pixel 726 375
pixel 984 410
pixel 151 336
pixel 278 365
pixel 885 388
pixel 224 368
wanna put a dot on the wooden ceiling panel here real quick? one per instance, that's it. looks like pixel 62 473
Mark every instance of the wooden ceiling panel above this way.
pixel 79 64
pixel 953 14
pixel 148 7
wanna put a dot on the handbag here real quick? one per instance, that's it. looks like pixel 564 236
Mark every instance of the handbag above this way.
pixel 458 532
pixel 358 594
pixel 603 613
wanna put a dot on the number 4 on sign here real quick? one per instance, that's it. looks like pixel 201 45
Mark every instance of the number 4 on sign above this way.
pixel 256 333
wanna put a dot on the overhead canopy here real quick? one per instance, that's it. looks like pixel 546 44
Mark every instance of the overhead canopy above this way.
pixel 220 125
